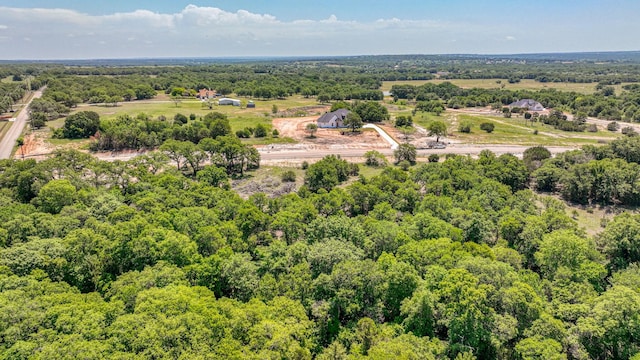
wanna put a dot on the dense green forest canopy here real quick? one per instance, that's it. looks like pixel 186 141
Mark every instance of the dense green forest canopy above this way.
pixel 453 259
pixel 466 258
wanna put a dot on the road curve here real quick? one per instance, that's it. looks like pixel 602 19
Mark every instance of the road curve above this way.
pixel 394 144
pixel 9 139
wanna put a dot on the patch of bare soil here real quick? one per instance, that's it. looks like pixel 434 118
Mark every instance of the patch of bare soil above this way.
pixel 295 128
pixel 35 145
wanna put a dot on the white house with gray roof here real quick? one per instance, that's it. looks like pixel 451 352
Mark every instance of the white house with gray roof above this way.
pixel 333 119
pixel 528 104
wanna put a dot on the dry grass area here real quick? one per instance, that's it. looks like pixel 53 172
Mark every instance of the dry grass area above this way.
pixel 268 180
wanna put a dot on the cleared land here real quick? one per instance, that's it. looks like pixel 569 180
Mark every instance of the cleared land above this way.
pixel 585 88
pixel 296 112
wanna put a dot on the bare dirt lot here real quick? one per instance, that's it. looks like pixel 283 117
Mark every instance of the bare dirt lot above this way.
pixel 35 146
pixel 295 128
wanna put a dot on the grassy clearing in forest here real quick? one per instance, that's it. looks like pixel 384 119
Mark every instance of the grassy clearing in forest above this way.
pixel 239 118
pixel 585 88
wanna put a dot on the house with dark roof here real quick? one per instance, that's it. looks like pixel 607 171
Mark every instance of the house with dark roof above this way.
pixel 528 104
pixel 334 119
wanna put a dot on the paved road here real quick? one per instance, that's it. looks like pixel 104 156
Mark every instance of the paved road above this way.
pixel 8 142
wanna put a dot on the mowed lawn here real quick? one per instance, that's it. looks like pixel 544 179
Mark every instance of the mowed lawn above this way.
pixel 514 131
pixel 510 131
pixel 586 88
pixel 239 118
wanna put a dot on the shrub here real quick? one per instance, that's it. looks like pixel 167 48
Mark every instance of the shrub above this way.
pixel 305 165
pixel 488 127
pixel 404 165
pixel 260 131
pixel 192 116
pixel 275 133
pixel 535 132
pixel 374 158
pixel 180 119
pixel 629 131
pixel 288 176
pixel 354 169
pixel 465 127
pixel 613 126
pixel 243 134
pixel 592 128
pixel 433 158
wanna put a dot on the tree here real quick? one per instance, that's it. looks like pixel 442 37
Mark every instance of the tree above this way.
pixel 37 119
pixel 20 144
pixel 353 121
pixel 180 119
pixel 218 124
pixel 311 128
pixel 407 131
pixel 274 109
pixel 372 111
pixel 620 241
pixel 260 131
pixel 610 328
pixel 405 152
pixel 55 195
pixel 402 121
pixel 82 124
pixel 326 173
pixel 488 127
pixel 340 105
pixel 173 149
pixel 437 128
pixel 176 99
pixel 534 156
pixel 374 158
pixel 144 92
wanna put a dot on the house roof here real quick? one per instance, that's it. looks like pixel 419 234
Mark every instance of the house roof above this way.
pixel 526 103
pixel 330 116
pixel 206 93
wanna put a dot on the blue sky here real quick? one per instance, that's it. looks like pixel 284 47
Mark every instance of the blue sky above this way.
pixel 75 29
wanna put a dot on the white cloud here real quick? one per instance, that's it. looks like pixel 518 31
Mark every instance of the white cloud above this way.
pixel 211 31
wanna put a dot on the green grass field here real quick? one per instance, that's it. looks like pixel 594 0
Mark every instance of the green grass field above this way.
pixel 239 118
pixel 493 84
pixel 511 131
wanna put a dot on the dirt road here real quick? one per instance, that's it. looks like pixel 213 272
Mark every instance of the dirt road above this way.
pixel 296 156
pixel 9 140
